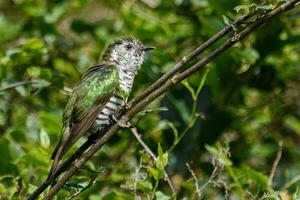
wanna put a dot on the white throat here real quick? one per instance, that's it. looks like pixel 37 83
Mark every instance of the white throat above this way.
pixel 127 67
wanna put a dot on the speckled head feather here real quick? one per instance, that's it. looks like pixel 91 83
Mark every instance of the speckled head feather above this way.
pixel 125 52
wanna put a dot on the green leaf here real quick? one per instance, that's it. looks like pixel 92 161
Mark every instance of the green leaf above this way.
pixel 34 71
pixel 222 157
pixel 250 177
pixel 296 194
pixel 245 8
pixel 249 55
pixel 145 186
pixel 162 158
pixel 258 178
pixel 147 111
pixel 226 20
pixel 34 10
pixel 31 188
pixel 145 157
pixel 56 13
pixel 267 7
pixel 8 29
pixel 293 123
pixel 156 174
pixel 95 197
pixel 6 159
pixel 33 44
pixel 189 184
pixel 44 139
pixel 161 196
pixel 212 150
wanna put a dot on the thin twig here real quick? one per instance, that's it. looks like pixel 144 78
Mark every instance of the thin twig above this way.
pixel 275 164
pixel 198 191
pixel 135 133
pixel 218 168
pixel 150 152
pixel 224 185
pixel 136 178
pixel 214 173
pixel 17 84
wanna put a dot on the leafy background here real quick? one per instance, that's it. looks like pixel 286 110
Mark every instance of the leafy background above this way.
pixel 228 130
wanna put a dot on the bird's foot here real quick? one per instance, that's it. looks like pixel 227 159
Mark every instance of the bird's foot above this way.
pixel 126 105
pixel 120 122
pixel 124 124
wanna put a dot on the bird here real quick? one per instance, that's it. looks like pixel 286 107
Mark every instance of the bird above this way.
pixel 102 91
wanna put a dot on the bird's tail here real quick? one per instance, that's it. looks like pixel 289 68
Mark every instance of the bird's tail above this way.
pixel 62 147
pixel 56 157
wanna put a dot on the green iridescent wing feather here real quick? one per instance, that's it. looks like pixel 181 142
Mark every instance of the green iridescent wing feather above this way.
pixel 85 103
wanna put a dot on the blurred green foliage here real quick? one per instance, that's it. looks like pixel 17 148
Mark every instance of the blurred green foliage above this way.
pixel 228 129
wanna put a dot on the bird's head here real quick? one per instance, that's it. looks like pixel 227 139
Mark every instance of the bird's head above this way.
pixel 126 52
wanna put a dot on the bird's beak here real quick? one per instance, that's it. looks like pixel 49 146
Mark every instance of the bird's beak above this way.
pixel 148 48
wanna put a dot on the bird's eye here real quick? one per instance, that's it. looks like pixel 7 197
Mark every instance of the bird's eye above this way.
pixel 128 46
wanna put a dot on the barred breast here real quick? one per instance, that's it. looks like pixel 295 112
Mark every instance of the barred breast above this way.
pixel 115 103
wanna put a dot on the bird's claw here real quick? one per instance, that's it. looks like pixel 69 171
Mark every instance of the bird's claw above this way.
pixel 126 105
pixel 120 122
pixel 123 124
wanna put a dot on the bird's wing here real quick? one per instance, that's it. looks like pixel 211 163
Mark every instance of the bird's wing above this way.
pixel 85 103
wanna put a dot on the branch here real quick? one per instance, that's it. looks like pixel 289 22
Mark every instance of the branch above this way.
pixel 154 91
